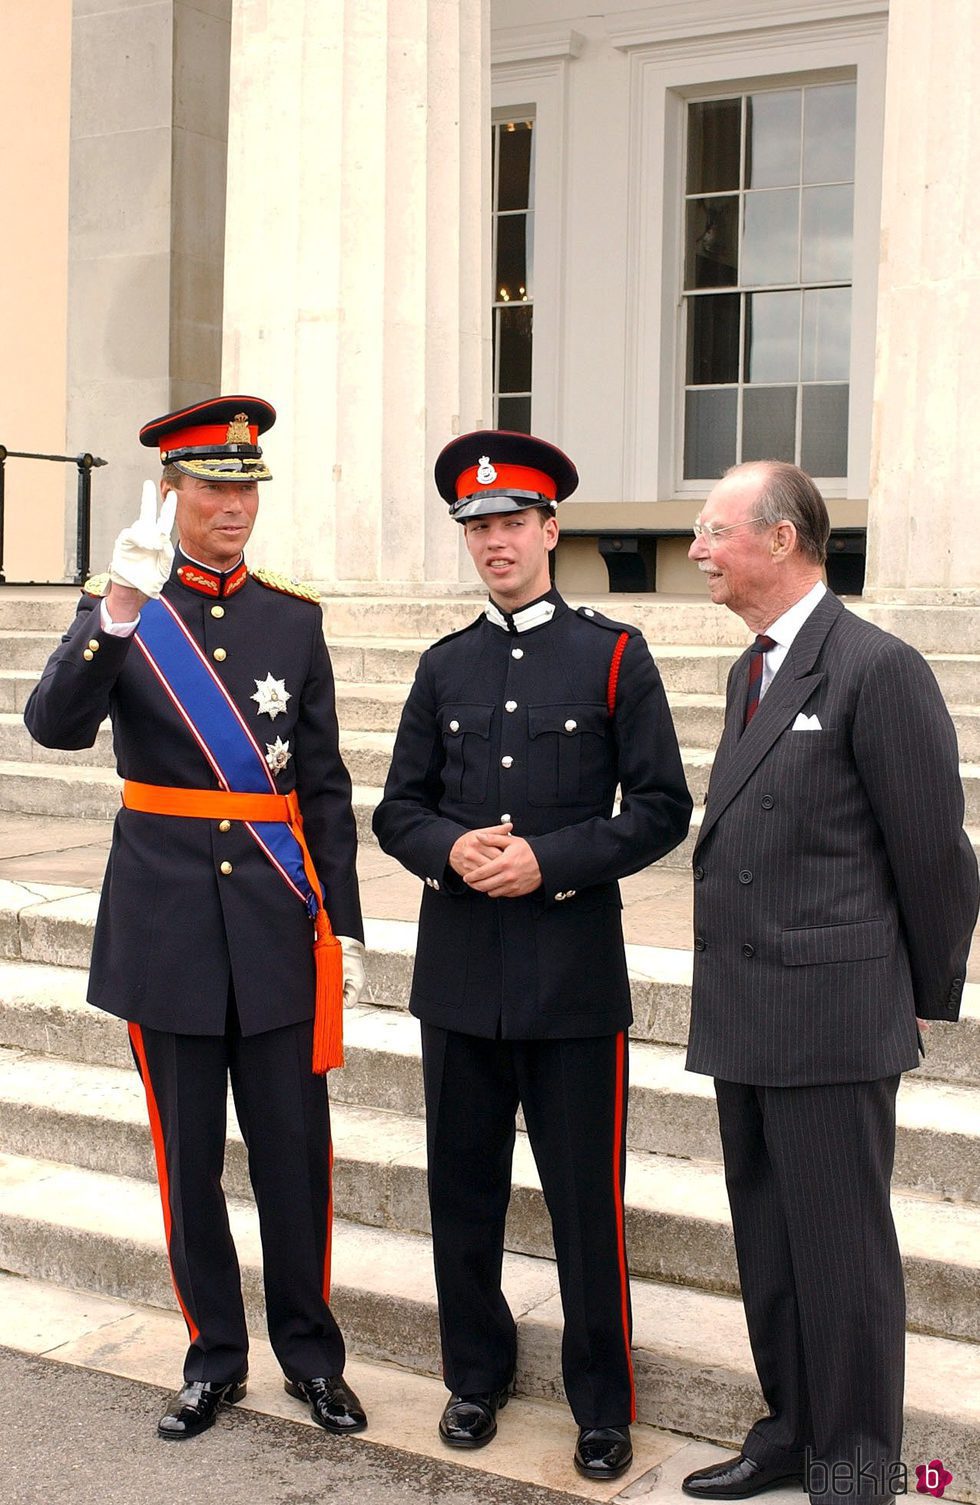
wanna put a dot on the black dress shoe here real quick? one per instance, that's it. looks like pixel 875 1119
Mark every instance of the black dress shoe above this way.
pixel 603 1452
pixel 333 1404
pixel 470 1421
pixel 193 1409
pixel 738 1479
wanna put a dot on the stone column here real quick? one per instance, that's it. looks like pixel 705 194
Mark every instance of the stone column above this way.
pixel 356 273
pixel 149 111
pixel 923 539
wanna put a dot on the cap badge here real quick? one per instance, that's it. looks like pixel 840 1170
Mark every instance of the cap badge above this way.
pixel 485 475
pixel 277 755
pixel 270 696
pixel 238 432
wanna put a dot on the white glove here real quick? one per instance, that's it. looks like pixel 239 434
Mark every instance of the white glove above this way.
pixel 354 974
pixel 142 555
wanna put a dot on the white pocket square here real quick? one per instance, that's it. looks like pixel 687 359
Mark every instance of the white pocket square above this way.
pixel 807 723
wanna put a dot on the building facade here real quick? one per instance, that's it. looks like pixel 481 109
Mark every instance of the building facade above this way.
pixel 666 237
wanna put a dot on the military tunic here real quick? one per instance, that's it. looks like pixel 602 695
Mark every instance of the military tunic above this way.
pixel 201 946
pixel 526 1000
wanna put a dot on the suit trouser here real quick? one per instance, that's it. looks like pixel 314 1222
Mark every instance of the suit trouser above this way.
pixel 808 1172
pixel 284 1118
pixel 574 1094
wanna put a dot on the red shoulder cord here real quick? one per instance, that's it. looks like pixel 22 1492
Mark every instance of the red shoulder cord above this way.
pixel 618 651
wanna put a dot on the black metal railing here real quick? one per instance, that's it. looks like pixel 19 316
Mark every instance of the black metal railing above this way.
pixel 83 520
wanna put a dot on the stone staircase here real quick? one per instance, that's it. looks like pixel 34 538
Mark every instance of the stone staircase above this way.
pixel 78 1202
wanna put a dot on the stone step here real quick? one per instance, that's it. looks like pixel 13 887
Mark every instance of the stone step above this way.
pixel 46 938
pixel 37 608
pixel 694 1372
pixel 677 620
pixel 94 794
pixel 677 1210
pixel 671 1110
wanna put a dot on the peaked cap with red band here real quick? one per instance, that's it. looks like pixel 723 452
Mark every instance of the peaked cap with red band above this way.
pixel 494 470
pixel 214 440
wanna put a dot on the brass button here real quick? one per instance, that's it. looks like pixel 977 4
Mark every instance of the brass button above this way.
pixel 227 868
pixel 217 611
pixel 94 644
pixel 224 825
pixel 88 654
pixel 219 655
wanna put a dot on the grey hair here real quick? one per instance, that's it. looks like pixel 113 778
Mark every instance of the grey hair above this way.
pixel 789 495
pixel 172 476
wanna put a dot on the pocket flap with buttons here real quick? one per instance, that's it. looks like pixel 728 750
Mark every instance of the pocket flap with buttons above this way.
pixel 463 720
pixel 567 753
pixel 466 739
pixel 859 941
pixel 567 720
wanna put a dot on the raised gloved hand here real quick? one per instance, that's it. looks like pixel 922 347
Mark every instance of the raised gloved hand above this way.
pixel 142 555
pixel 354 974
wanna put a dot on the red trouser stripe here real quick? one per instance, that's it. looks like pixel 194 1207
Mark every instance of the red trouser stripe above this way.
pixel 328 1251
pixel 620 1212
pixel 156 1131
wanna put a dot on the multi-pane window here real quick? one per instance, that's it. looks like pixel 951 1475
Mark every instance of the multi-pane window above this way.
pixel 767 279
pixel 513 257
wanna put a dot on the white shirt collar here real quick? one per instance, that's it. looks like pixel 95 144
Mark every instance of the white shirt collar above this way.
pixel 522 620
pixel 785 628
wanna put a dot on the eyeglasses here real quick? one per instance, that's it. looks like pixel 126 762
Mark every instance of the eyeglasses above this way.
pixel 711 534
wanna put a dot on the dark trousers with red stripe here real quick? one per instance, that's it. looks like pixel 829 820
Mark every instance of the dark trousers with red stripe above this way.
pixel 808 1172
pixel 284 1118
pixel 574 1094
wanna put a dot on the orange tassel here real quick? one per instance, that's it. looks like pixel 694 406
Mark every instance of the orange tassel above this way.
pixel 328 1020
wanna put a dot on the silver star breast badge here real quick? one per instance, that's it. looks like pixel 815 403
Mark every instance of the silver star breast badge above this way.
pixel 270 696
pixel 277 754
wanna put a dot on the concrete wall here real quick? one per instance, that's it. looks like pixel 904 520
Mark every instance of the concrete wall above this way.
pixel 148 150
pixel 34 73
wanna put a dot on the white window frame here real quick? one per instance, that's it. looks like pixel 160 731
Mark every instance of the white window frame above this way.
pixel 528 78
pixel 667 71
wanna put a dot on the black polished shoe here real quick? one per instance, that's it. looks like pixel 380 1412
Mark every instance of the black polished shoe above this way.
pixel 738 1479
pixel 470 1421
pixel 333 1404
pixel 193 1409
pixel 603 1452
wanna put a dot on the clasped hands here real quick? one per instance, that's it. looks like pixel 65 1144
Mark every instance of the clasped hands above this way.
pixel 495 862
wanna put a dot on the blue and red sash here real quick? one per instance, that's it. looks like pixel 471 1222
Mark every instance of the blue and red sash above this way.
pixel 217 726
pixel 247 793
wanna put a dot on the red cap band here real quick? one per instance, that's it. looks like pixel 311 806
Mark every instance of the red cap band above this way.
pixel 204 434
pixel 505 478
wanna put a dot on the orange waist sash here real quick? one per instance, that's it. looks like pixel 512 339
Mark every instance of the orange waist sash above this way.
pixel 225 804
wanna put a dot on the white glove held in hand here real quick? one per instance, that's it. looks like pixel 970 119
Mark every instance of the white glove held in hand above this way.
pixel 142 555
pixel 354 976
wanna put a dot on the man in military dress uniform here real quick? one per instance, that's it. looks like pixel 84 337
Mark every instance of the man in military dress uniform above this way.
pixel 221 696
pixel 514 738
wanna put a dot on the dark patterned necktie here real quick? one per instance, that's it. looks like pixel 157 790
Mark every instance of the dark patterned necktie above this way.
pixel 761 645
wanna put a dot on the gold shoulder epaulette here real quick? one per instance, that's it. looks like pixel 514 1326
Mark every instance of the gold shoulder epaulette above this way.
pixel 96 585
pixel 288 587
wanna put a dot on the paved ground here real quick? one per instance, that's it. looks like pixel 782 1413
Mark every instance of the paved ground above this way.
pixel 84 1377
pixel 84 1438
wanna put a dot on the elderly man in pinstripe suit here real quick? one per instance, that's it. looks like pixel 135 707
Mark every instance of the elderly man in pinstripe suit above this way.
pixel 835 897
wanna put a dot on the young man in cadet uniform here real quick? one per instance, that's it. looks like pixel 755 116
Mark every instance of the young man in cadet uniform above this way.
pixel 500 797
pixel 221 696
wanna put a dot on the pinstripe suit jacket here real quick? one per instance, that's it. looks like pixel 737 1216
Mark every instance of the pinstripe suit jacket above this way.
pixel 835 888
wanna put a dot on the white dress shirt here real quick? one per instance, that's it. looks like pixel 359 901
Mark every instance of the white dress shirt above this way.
pixel 784 630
